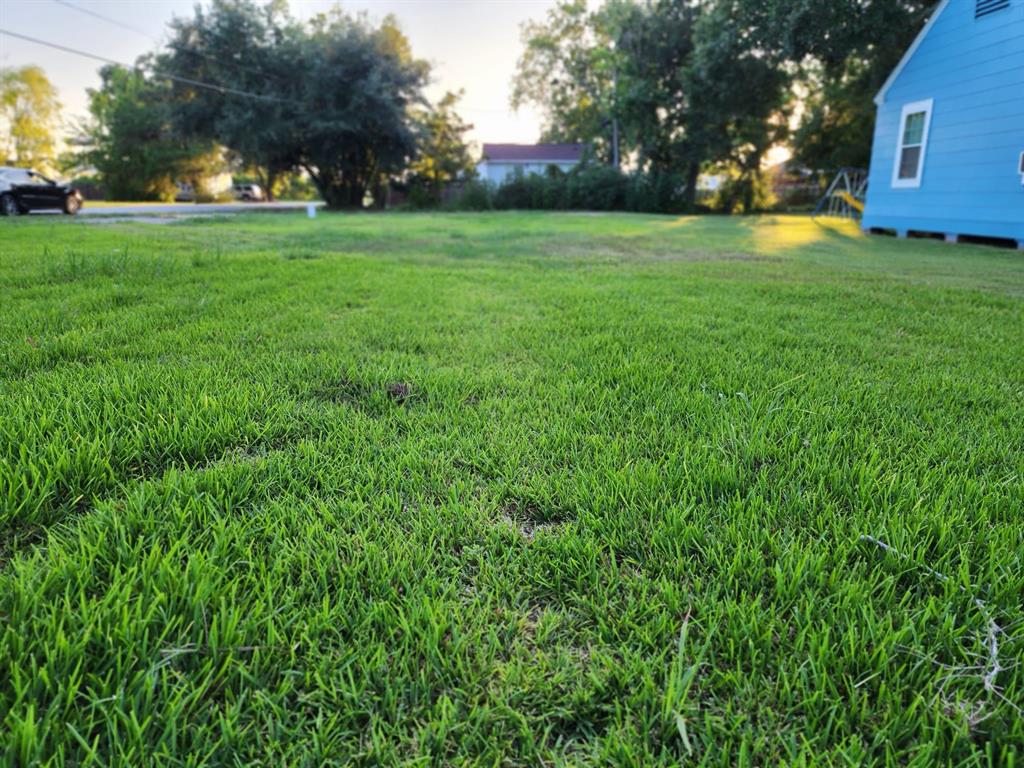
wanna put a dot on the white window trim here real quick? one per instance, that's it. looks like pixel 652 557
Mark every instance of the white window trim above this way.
pixel 908 110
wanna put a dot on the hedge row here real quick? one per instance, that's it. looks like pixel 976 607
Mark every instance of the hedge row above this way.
pixel 591 188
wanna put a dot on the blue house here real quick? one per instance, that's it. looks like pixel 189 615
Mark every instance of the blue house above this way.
pixel 948 153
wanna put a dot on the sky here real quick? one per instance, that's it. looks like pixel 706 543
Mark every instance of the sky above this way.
pixel 472 45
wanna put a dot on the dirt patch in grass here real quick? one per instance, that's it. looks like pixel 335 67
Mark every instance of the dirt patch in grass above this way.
pixel 400 391
pixel 529 519
pixel 528 529
pixel 242 454
pixel 374 400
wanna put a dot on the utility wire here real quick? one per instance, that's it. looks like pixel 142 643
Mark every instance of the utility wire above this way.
pixel 172 44
pixel 107 19
pixel 167 76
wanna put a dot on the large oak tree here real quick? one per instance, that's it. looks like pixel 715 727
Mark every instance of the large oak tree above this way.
pixel 335 96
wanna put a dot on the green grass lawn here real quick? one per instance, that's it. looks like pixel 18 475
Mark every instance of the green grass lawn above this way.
pixel 511 489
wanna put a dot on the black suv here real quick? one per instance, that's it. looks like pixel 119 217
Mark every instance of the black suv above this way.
pixel 22 191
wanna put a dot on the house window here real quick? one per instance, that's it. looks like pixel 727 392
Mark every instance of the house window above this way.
pixel 985 7
pixel 913 143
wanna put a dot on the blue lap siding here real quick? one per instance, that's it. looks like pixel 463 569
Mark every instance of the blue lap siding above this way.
pixel 973 71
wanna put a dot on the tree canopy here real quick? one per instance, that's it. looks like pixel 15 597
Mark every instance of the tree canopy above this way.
pixel 131 141
pixel 29 118
pixel 443 155
pixel 840 52
pixel 568 69
pixel 334 96
pixel 694 84
pixel 676 87
pixel 243 46
pixel 337 97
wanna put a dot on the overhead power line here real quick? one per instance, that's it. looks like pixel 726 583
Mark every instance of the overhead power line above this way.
pixel 107 19
pixel 166 75
pixel 172 44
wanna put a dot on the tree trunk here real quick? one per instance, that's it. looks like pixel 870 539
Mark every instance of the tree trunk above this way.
pixel 438 189
pixel 340 191
pixel 339 195
pixel 748 193
pixel 261 179
pixel 268 188
pixel 690 194
pixel 753 174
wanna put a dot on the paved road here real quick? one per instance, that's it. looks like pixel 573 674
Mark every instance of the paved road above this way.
pixel 189 209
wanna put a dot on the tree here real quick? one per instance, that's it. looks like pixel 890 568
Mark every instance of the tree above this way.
pixel 688 86
pixel 837 126
pixel 700 83
pixel 738 93
pixel 131 142
pixel 29 112
pixel 333 97
pixel 443 154
pixel 682 81
pixel 655 45
pixel 359 88
pixel 240 45
pixel 845 50
pixel 568 68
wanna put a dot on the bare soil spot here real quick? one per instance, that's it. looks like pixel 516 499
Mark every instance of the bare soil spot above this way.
pixel 529 519
pixel 400 391
pixel 372 399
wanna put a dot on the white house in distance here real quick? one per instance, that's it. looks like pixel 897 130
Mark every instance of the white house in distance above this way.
pixel 500 161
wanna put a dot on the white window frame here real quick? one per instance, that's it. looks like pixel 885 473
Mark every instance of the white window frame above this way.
pixel 912 109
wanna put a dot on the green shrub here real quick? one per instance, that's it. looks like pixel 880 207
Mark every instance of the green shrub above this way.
pixel 599 188
pixel 585 188
pixel 420 196
pixel 475 196
pixel 294 186
pixel 743 193
pixel 655 193
pixel 515 193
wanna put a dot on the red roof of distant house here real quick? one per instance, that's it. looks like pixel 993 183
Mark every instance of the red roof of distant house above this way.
pixel 534 153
